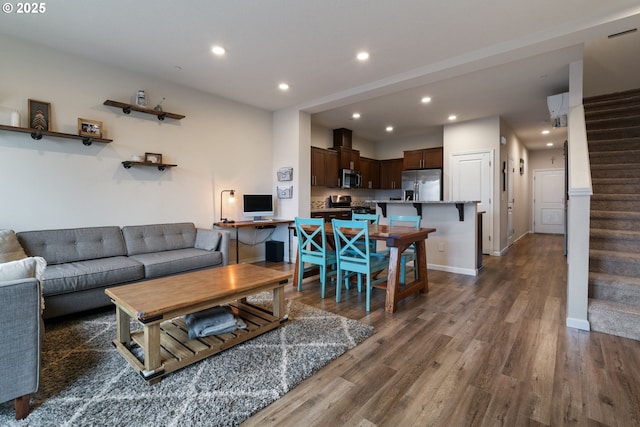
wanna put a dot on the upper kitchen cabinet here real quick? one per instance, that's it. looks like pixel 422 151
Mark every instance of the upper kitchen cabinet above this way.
pixel 349 158
pixel 370 170
pixel 324 167
pixel 423 159
pixel 342 143
pixel 391 174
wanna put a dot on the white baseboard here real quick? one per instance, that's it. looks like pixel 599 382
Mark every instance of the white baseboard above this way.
pixel 581 324
pixel 457 270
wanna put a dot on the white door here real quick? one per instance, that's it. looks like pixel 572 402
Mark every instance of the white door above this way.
pixel 472 179
pixel 511 229
pixel 548 201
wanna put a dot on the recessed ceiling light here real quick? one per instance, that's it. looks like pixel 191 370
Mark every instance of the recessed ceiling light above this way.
pixel 362 56
pixel 218 50
pixel 549 144
pixel 545 132
pixel 389 128
pixel 356 115
pixel 283 86
pixel 426 100
pixel 452 117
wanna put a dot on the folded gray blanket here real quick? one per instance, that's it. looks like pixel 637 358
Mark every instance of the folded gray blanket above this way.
pixel 212 321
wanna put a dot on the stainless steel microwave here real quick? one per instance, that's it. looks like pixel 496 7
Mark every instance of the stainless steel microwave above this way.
pixel 350 178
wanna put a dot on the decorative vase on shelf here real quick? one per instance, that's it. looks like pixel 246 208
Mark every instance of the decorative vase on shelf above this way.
pixel 15 118
pixel 141 99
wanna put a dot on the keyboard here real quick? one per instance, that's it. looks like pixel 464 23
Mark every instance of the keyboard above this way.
pixel 262 220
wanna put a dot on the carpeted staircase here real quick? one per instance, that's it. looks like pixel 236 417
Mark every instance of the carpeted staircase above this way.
pixel 613 134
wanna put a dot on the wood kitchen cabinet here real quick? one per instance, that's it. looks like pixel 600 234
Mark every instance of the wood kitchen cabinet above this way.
pixel 423 159
pixel 349 158
pixel 324 167
pixel 391 173
pixel 329 215
pixel 370 170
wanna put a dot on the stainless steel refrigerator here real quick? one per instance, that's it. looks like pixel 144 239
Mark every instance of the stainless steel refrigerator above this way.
pixel 422 185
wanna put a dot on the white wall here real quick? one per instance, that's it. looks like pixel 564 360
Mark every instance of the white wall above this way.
pixel 475 135
pixel 58 183
pixel 522 214
pixel 321 137
pixel 612 65
pixel 292 148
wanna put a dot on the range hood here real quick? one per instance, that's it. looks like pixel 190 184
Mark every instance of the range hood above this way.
pixel 342 138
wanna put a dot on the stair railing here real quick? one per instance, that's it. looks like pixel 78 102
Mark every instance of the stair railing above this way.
pixel 578 215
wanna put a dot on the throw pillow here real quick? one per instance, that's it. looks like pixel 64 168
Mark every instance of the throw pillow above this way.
pixel 207 239
pixel 23 269
pixel 10 249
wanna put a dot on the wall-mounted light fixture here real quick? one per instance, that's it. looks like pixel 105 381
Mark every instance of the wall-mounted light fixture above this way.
pixel 231 199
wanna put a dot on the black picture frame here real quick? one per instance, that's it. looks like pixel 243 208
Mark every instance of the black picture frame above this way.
pixel 39 115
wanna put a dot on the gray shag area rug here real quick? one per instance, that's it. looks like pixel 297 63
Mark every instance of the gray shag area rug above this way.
pixel 89 384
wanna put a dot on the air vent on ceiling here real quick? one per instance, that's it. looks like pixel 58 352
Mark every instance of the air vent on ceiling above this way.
pixel 622 33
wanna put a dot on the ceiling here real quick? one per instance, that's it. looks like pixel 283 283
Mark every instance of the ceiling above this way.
pixel 475 59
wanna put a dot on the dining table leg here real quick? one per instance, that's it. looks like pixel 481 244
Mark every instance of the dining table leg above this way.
pixel 421 257
pixel 296 267
pixel 393 280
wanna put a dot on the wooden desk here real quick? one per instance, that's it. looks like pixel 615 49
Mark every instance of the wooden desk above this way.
pixel 258 224
pixel 398 238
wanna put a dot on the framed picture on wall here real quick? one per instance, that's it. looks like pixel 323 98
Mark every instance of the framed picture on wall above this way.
pixel 90 128
pixel 39 115
pixel 153 158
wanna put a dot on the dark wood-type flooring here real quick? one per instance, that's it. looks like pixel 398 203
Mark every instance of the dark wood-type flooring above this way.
pixel 491 350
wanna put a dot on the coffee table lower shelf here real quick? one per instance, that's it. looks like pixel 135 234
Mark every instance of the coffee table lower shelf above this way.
pixel 177 350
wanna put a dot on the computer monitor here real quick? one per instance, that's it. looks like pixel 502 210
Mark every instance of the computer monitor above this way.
pixel 257 205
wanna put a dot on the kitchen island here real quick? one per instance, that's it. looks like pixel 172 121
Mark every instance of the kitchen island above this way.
pixel 455 246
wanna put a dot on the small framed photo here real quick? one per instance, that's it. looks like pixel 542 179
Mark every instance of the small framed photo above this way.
pixel 39 115
pixel 90 128
pixel 153 158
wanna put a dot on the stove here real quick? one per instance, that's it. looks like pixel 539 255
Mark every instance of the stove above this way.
pixel 362 210
pixel 344 201
pixel 339 201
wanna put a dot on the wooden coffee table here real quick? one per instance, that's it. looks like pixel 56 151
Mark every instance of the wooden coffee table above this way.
pixel 159 304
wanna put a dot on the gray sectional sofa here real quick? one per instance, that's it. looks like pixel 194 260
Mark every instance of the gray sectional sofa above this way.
pixel 83 262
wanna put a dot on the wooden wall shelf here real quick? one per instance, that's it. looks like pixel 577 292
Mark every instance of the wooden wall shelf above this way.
pixel 161 166
pixel 127 108
pixel 38 134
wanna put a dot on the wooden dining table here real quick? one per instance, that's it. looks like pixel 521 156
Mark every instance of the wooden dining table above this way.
pixel 397 238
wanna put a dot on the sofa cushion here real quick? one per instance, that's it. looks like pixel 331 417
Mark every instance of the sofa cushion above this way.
pixel 159 264
pixel 73 244
pixel 10 249
pixel 88 274
pixel 143 239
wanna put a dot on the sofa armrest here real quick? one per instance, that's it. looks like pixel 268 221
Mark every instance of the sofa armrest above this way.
pixel 20 338
pixel 214 240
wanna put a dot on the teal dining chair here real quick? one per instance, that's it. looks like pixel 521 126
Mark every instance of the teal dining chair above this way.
pixel 372 219
pixel 408 255
pixel 313 249
pixel 353 254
